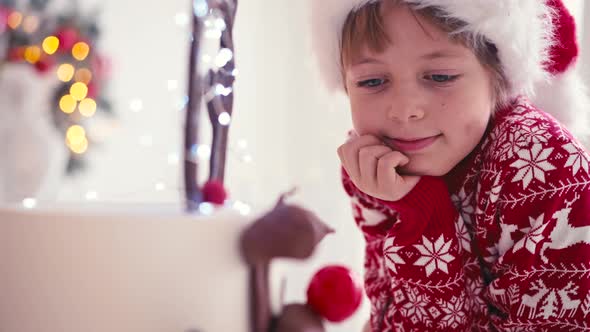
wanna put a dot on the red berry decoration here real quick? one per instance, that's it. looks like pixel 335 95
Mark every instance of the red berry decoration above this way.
pixel 44 65
pixel 214 192
pixel 67 38
pixel 16 54
pixel 335 292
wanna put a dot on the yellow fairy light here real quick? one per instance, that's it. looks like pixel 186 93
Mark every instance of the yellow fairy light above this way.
pixel 87 107
pixel 75 133
pixel 80 146
pixel 33 54
pixel 76 139
pixel 50 44
pixel 14 20
pixel 67 104
pixel 83 75
pixel 65 72
pixel 80 51
pixel 79 91
pixel 30 24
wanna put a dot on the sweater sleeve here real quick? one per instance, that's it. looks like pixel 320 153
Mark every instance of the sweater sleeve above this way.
pixel 413 258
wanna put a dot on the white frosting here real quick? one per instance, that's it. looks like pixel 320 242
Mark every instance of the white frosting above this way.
pixel 102 269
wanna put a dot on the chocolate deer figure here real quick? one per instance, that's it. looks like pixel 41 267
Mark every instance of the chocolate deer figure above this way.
pixel 288 231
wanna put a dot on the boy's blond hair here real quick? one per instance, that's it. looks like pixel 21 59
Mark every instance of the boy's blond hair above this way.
pixel 365 28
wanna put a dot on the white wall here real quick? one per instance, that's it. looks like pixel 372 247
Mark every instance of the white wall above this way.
pixel 291 126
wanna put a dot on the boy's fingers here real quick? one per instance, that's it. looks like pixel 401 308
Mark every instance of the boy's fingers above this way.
pixel 368 158
pixel 386 168
pixel 350 153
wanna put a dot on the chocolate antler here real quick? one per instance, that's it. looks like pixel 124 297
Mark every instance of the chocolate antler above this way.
pixel 191 132
pixel 222 102
pixel 219 97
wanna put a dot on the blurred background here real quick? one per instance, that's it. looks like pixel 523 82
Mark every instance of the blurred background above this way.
pixel 131 58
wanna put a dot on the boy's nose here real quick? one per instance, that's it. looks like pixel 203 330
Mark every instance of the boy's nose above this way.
pixel 405 111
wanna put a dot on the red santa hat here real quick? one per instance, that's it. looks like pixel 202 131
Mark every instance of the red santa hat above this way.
pixel 536 42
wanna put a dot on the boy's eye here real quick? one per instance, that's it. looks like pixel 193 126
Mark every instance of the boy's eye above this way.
pixel 439 78
pixel 371 83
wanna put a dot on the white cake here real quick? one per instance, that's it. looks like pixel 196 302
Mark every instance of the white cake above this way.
pixel 111 269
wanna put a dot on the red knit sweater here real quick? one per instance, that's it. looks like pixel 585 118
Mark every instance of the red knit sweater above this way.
pixel 501 243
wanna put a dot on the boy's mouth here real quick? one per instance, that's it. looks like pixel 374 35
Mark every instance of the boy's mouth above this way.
pixel 411 144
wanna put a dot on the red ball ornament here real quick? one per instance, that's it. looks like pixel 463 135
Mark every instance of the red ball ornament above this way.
pixel 93 90
pixel 44 65
pixel 16 54
pixel 214 192
pixel 335 292
pixel 67 38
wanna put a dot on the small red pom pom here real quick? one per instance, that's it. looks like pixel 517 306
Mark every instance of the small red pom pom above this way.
pixel 335 292
pixel 214 192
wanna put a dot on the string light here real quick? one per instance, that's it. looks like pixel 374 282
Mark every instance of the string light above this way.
pixel 222 90
pixel 213 34
pixel 91 196
pixel 50 44
pixel 223 57
pixel 83 75
pixel 242 144
pixel 33 54
pixel 87 107
pixel 200 151
pixel 206 208
pixel 172 85
pixel 30 24
pixel 80 51
pixel 247 159
pixel 224 119
pixel 200 8
pixel 14 20
pixel 67 104
pixel 242 207
pixel 79 91
pixel 76 139
pixel 136 105
pixel 29 203
pixel 65 72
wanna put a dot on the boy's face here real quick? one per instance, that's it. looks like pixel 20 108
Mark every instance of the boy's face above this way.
pixel 425 96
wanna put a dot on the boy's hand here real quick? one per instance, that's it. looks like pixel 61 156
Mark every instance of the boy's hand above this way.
pixel 372 165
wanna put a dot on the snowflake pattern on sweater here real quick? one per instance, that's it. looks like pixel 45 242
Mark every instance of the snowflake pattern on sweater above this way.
pixel 502 243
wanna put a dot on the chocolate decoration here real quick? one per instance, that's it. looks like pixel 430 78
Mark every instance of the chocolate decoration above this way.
pixel 288 231
pixel 299 318
pixel 221 103
pixel 191 130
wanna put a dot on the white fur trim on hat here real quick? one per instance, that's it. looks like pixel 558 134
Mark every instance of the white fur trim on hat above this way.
pixel 520 29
